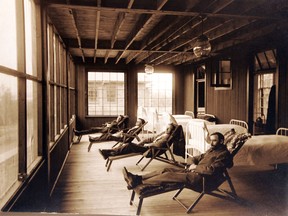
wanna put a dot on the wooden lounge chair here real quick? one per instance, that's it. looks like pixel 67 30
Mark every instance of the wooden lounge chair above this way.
pixel 145 191
pixel 160 154
pixel 155 153
pixel 127 137
pixel 120 126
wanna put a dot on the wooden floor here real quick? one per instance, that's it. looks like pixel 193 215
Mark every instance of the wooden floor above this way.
pixel 85 187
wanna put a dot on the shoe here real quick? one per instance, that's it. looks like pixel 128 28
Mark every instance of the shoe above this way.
pixel 103 153
pixel 77 133
pixel 130 179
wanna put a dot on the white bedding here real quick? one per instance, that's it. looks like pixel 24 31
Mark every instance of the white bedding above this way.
pixel 263 150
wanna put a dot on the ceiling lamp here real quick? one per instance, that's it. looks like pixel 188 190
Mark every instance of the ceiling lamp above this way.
pixel 149 69
pixel 202 46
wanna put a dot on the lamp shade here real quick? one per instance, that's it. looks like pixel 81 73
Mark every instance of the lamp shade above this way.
pixel 149 69
pixel 202 46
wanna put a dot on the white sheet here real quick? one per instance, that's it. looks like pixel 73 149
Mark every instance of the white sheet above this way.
pixel 263 150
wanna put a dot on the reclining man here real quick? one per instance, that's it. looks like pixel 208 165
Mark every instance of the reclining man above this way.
pixel 212 163
pixel 157 141
pixel 118 136
pixel 111 127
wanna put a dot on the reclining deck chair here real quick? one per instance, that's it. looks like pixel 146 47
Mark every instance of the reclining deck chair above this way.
pixel 120 126
pixel 144 191
pixel 161 153
pixel 127 137
pixel 153 152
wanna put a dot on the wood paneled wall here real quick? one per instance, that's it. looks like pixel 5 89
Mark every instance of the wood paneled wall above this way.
pixel 229 103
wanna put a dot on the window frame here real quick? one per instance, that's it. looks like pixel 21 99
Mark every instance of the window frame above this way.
pixel 172 92
pixel 87 92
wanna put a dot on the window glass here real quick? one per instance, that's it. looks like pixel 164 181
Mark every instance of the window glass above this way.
pixel 106 93
pixel 8 37
pixel 263 83
pixel 30 38
pixel 265 61
pixel 155 91
pixel 32 123
pixel 8 134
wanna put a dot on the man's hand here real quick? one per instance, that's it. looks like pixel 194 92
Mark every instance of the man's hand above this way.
pixel 192 167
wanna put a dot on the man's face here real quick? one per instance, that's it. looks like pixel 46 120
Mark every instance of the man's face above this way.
pixel 138 122
pixel 119 118
pixel 214 141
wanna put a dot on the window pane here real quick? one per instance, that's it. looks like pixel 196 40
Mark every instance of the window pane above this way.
pixel 263 86
pixel 8 133
pixel 32 123
pixel 106 93
pixel 155 91
pixel 8 40
pixel 30 38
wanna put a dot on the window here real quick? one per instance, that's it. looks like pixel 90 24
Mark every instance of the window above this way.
pixel 201 85
pixel 222 77
pixel 106 94
pixel 30 38
pixel 8 134
pixel 261 95
pixel 155 91
pixel 32 123
pixel 8 41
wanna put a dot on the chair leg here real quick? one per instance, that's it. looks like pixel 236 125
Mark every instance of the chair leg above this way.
pixel 147 164
pixel 107 161
pixel 139 203
pixel 109 164
pixel 139 160
pixel 233 191
pixel 195 202
pixel 177 193
pixel 132 197
pixel 90 145
pixel 188 209
pixel 139 206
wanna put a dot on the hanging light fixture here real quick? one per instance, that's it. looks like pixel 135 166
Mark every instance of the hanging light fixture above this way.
pixel 202 46
pixel 149 69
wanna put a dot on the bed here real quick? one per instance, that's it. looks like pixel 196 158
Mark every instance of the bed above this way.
pixel 257 150
pixel 183 119
pixel 264 150
pixel 198 130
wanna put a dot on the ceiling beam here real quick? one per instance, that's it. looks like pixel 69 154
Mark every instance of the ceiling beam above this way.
pixel 155 12
pixel 144 21
pixel 97 29
pixel 74 18
pixel 211 25
pixel 117 26
pixel 246 36
pixel 187 26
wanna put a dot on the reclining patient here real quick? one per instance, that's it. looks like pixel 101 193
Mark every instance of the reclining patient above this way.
pixel 111 127
pixel 157 141
pixel 212 163
pixel 118 136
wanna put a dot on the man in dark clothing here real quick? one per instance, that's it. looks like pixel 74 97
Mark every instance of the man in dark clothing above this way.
pixel 111 127
pixel 157 141
pixel 118 136
pixel 212 163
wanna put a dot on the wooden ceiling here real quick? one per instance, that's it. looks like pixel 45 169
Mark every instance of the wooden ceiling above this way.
pixel 161 31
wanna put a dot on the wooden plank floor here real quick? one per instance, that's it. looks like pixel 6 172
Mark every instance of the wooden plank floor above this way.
pixel 85 187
